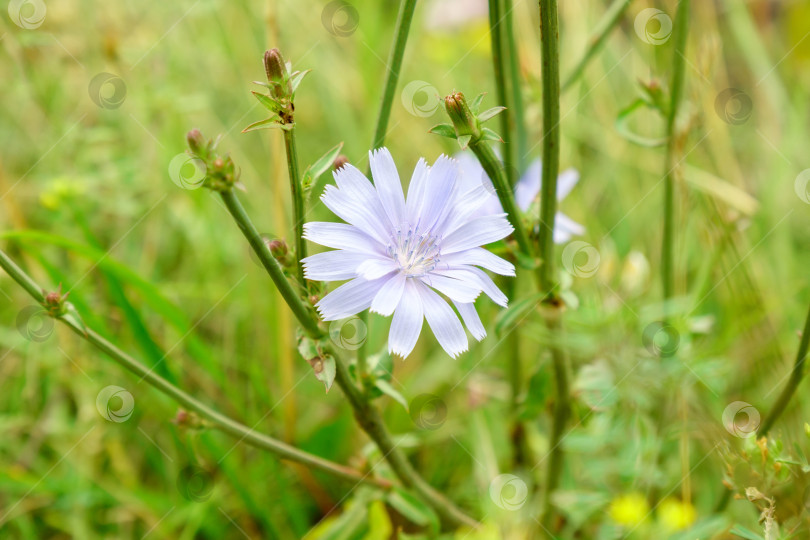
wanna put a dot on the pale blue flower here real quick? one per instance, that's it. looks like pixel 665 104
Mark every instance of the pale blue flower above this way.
pixel 526 191
pixel 399 254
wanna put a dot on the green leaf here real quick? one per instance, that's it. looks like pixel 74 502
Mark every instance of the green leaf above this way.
pixel 72 315
pixel 490 113
pixel 622 126
pixel 379 523
pixel 445 130
pixel 323 365
pixel 742 532
pixel 386 388
pixel 412 508
pixel 475 104
pixel 464 141
pixel 268 123
pixel 516 312
pixel 489 135
pixel 267 102
pixel 296 79
pixel 321 165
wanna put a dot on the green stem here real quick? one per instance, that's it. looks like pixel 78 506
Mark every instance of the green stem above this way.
pixel 606 24
pixel 519 136
pixel 299 309
pixel 403 27
pixel 368 416
pixel 217 419
pixel 296 190
pixel 678 62
pixel 504 97
pixel 549 31
pixel 489 161
pixel 796 376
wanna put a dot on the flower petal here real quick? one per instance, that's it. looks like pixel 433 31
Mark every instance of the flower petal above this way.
pixel 407 322
pixel 565 228
pixel 479 277
pixel 484 230
pixel 335 265
pixel 480 257
pixel 471 319
pixel 566 182
pixel 389 187
pixel 375 268
pixel 439 193
pixel 455 289
pixel 416 190
pixel 389 295
pixel 341 236
pixel 442 321
pixel 349 299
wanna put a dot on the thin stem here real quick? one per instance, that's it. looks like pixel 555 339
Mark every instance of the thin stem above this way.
pixel 603 28
pixel 368 416
pixel 678 62
pixel 299 309
pixel 404 18
pixel 403 27
pixel 519 138
pixel 489 161
pixel 504 97
pixel 549 31
pixel 297 192
pixel 217 419
pixel 796 376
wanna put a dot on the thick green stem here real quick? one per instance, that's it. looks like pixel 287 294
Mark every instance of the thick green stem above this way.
pixel 217 419
pixel 497 32
pixel 403 27
pixel 368 416
pixel 304 314
pixel 796 376
pixel 676 89
pixel 297 192
pixel 520 133
pixel 549 32
pixel 489 161
pixel 606 24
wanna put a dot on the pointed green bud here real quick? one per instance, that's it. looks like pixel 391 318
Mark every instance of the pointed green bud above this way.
pixel 277 74
pixel 196 142
pixel 464 121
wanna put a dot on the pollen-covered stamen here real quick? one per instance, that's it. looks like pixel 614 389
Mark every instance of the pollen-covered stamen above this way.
pixel 415 253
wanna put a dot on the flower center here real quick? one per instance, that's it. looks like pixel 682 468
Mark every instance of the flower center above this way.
pixel 415 253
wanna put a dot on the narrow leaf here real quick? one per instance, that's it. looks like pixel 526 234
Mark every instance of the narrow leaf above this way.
pixel 386 388
pixel 490 113
pixel 267 123
pixel 489 135
pixel 267 102
pixel 445 130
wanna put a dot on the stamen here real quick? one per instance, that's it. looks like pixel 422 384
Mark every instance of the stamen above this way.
pixel 416 254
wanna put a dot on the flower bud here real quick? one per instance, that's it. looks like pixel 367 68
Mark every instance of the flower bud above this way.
pixel 196 142
pixel 277 75
pixel 464 121
pixel 54 302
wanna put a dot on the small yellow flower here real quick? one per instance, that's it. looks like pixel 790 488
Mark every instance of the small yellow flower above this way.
pixel 676 515
pixel 630 509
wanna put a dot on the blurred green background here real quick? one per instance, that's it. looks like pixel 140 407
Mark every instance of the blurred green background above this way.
pixel 86 201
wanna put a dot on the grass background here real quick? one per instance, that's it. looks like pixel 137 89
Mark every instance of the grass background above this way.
pixel 87 202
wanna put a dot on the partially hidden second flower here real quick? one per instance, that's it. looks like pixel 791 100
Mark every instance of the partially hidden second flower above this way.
pixel 401 255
